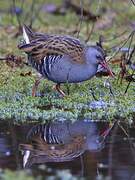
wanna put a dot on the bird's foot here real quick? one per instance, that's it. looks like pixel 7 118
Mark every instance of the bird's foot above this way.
pixel 35 86
pixel 57 88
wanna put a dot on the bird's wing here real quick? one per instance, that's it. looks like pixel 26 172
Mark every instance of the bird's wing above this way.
pixel 44 45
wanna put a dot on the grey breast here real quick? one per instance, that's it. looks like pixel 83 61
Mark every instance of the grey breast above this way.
pixel 60 69
pixel 65 70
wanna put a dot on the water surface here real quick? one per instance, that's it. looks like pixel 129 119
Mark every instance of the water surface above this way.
pixel 100 153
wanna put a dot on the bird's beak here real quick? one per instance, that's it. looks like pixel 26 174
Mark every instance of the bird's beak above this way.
pixel 105 65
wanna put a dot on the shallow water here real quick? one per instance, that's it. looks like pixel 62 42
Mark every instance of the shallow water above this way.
pixel 100 154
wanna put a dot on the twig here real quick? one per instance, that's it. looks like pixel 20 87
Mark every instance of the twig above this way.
pixel 111 150
pixel 108 131
pixel 93 24
pixel 81 18
pixel 93 94
pixel 98 6
pixel 32 10
pixel 17 60
pixel 130 55
pixel 90 33
pixel 129 62
pixel 116 36
pixel 123 70
pixel 3 58
pixel 22 3
pixel 123 129
pixel 17 16
pixel 82 165
pixel 36 15
pixel 130 36
pixel 130 142
pixel 15 145
pixel 133 2
pixel 30 13
pixel 87 14
pixel 129 83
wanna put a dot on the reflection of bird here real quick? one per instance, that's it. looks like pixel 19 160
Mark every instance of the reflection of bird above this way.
pixel 59 142
pixel 61 58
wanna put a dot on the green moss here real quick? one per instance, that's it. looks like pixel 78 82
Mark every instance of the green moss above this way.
pixel 20 175
pixel 18 104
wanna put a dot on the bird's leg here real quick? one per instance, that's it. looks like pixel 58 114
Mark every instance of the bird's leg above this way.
pixel 35 86
pixel 57 87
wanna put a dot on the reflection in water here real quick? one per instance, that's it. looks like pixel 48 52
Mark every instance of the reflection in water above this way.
pixel 60 142
pixel 81 147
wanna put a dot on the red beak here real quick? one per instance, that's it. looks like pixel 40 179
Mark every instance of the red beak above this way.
pixel 105 65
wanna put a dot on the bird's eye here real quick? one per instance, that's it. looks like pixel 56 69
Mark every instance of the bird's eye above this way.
pixel 98 57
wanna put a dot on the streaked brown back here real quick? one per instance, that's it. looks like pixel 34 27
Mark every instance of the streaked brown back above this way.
pixel 42 45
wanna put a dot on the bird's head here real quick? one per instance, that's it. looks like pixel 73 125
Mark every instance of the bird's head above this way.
pixel 96 56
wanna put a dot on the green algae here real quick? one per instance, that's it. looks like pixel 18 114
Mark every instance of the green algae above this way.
pixel 18 104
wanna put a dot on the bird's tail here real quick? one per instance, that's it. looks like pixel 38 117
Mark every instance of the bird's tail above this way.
pixel 28 34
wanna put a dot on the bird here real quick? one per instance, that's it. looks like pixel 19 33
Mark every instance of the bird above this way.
pixel 61 58
pixel 60 142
